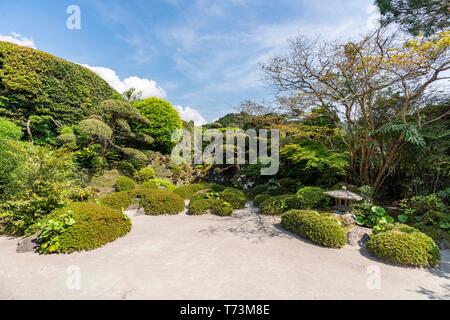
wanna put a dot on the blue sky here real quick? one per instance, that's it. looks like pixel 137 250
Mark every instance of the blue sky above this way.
pixel 202 55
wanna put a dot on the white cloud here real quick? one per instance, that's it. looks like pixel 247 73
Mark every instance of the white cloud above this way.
pixel 188 114
pixel 18 39
pixel 148 87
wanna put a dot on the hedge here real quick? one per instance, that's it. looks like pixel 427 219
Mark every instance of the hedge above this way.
pixel 402 244
pixel 95 225
pixel 158 202
pixel 117 200
pixel 319 228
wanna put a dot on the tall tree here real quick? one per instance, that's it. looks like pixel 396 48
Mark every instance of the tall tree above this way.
pixel 376 85
pixel 416 16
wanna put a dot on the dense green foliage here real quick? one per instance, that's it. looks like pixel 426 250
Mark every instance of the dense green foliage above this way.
pixel 313 198
pixel 33 82
pixel 279 204
pixel 125 184
pixel 260 198
pixel 320 228
pixel 94 226
pixel 145 174
pixel 188 191
pixel 117 200
pixel 159 184
pixel 404 245
pixel 164 120
pixel 157 202
pixel 235 197
pixel 214 206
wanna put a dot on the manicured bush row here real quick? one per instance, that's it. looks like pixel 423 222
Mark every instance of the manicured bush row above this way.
pixel 402 244
pixel 319 228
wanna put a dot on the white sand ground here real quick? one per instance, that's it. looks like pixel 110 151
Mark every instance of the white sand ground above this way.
pixel 245 256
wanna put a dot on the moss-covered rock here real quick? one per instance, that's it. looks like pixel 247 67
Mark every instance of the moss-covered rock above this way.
pixel 319 228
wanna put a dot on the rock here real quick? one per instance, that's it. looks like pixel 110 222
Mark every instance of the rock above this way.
pixel 348 219
pixel 27 244
pixel 358 236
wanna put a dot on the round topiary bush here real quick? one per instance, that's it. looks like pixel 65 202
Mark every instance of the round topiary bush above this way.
pixel 319 228
pixel 157 202
pixel 125 184
pixel 260 198
pixel 164 120
pixel 217 207
pixel 235 197
pixel 117 200
pixel 313 198
pixel 279 204
pixel 188 191
pixel 93 226
pixel 404 245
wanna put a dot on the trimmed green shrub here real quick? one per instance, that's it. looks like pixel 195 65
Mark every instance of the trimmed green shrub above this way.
pixel 188 191
pixel 94 129
pixel 404 245
pixel 279 204
pixel 200 206
pixel 117 200
pixel 235 197
pixel 260 198
pixel 36 83
pixel 158 184
pixel 125 184
pixel 319 228
pixel 157 202
pixel 9 130
pixel 217 207
pixel 145 174
pixel 94 226
pixel 313 198
pixel 164 120
pixel 137 158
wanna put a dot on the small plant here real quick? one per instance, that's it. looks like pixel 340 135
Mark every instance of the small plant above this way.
pixel 51 231
pixel 145 174
pixel 375 218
